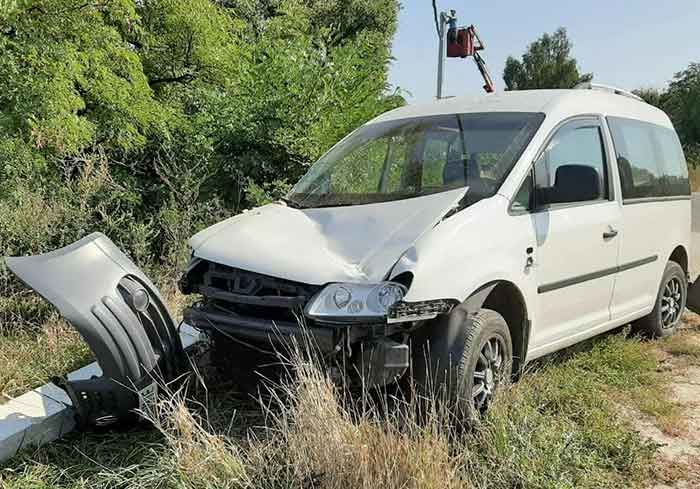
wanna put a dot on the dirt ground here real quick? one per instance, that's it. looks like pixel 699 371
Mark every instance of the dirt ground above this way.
pixel 678 464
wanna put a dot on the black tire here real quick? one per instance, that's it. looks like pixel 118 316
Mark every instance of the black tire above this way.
pixel 669 306
pixel 451 359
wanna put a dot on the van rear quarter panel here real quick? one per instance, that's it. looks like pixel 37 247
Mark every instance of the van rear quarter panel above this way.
pixel 472 248
pixel 649 229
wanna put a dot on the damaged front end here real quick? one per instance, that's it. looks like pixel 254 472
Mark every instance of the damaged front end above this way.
pixel 264 312
pixel 122 317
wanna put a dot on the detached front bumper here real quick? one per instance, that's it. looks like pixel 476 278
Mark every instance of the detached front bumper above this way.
pixel 119 313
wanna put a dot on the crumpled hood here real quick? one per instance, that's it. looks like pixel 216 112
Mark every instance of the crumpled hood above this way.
pixel 317 246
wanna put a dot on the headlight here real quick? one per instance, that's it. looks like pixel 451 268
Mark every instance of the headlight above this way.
pixel 352 302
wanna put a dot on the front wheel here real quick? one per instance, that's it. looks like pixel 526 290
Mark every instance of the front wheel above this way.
pixel 670 302
pixel 486 360
pixel 465 356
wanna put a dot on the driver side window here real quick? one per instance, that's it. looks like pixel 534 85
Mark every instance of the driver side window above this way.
pixel 572 169
pixel 574 145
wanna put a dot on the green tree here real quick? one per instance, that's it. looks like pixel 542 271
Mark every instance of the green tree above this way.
pixel 150 119
pixel 547 63
pixel 318 70
pixel 682 102
pixel 68 79
pixel 652 96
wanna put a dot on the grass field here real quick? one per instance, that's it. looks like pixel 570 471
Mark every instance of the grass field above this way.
pixel 33 350
pixel 572 421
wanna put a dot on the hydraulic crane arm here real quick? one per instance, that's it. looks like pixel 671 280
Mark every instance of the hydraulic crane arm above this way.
pixel 461 42
pixel 488 82
pixel 478 45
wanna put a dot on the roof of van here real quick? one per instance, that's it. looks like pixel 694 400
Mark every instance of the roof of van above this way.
pixel 559 104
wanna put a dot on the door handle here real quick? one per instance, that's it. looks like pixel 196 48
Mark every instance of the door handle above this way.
pixel 610 233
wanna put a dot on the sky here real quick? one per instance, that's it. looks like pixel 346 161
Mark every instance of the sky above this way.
pixel 628 44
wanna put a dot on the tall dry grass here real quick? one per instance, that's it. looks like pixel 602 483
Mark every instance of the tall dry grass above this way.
pixel 555 428
pixel 558 427
pixel 314 435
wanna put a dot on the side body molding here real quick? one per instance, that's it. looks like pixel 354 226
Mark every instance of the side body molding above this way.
pixel 118 312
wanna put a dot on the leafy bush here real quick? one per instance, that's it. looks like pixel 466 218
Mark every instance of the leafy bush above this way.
pixel 150 120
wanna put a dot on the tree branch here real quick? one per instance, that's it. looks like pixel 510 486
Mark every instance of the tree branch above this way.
pixel 186 78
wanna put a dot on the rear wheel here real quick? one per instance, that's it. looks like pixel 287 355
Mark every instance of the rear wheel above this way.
pixel 669 306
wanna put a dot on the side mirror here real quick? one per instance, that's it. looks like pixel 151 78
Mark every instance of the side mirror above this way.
pixel 543 196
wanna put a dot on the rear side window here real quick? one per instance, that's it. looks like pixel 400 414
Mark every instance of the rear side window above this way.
pixel 676 168
pixel 650 160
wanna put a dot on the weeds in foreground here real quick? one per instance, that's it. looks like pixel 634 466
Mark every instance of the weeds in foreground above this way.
pixel 685 343
pixel 557 427
pixel 29 356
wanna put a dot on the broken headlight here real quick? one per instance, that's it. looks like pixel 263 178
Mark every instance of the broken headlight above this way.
pixel 354 302
pixel 418 311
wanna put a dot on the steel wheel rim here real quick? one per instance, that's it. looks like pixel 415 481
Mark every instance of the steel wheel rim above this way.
pixel 487 372
pixel 671 303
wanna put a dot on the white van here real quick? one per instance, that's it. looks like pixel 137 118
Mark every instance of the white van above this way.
pixel 465 235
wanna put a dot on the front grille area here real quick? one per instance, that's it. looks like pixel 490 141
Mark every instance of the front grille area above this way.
pixel 231 290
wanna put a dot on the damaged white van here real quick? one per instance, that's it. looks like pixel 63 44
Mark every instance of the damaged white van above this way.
pixel 465 236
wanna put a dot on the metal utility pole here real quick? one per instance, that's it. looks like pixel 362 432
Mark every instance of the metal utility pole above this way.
pixel 457 42
pixel 445 20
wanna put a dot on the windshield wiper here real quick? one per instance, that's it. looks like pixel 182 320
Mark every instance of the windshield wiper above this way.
pixel 291 203
pixel 462 203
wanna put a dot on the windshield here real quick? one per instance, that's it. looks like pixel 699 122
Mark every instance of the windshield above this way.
pixel 408 158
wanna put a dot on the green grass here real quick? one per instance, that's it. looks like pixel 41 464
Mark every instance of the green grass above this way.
pixel 31 355
pixel 558 427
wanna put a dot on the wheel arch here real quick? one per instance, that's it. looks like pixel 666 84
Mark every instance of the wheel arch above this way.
pixel 680 256
pixel 508 300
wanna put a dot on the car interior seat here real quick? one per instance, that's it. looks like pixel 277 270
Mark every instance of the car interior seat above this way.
pixel 576 183
pixel 626 176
